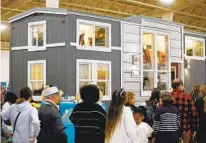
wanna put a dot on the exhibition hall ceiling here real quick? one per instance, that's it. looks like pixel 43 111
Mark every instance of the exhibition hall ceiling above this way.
pixel 191 13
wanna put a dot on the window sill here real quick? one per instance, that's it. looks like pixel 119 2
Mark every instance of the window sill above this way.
pixel 37 48
pixel 101 49
pixel 195 58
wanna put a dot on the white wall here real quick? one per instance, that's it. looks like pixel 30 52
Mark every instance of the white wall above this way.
pixel 4 72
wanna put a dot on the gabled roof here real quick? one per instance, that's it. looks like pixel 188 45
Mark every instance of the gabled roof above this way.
pixel 58 11
pixel 138 18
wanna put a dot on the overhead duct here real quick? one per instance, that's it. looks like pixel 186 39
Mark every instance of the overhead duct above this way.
pixel 52 3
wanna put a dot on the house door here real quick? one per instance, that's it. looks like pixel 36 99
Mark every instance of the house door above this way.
pixel 175 73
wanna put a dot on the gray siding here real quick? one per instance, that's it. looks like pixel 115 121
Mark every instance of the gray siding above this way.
pixel 196 74
pixel 55 29
pixel 60 61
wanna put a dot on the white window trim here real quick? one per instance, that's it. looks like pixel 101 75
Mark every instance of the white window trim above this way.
pixel 94 75
pixel 93 48
pixel 195 57
pixel 36 48
pixel 143 30
pixel 29 71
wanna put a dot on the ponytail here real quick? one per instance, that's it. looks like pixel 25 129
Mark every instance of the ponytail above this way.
pixel 20 100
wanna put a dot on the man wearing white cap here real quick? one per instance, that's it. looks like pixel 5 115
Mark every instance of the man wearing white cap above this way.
pixel 52 129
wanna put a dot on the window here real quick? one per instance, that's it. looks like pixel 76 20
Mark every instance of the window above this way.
pixel 93 35
pixel 156 63
pixel 36 74
pixel 95 72
pixel 37 35
pixel 194 48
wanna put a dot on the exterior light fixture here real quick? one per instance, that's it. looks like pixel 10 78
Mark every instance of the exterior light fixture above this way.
pixel 167 2
pixel 2 27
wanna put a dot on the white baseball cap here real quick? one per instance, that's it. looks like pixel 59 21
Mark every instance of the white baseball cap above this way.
pixel 50 91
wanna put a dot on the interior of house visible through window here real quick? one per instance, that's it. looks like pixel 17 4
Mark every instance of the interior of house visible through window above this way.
pixel 103 77
pixel 36 76
pixel 194 47
pixel 91 35
pixel 155 61
pixel 148 80
pixel 162 52
pixel 148 51
pixel 37 35
pixel 100 76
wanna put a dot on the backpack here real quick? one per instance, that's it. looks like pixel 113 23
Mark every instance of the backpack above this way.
pixel 150 113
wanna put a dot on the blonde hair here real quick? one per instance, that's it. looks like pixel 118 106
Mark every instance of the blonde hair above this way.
pixel 128 97
pixel 203 93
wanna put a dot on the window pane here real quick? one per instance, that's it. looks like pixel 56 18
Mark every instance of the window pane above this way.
pixel 189 45
pixel 163 80
pixel 162 52
pixel 86 34
pixel 102 71
pixel 40 35
pixel 199 48
pixel 36 85
pixel 85 71
pixel 148 51
pixel 101 36
pixel 83 83
pixel 148 80
pixel 36 72
pixel 34 35
pixel 104 87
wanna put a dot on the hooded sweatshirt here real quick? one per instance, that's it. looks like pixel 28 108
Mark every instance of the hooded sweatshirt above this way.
pixel 27 125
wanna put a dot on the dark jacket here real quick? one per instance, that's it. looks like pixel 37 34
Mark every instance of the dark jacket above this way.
pixel 52 129
pixel 89 120
pixel 202 120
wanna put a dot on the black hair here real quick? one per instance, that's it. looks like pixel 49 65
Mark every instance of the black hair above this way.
pixel 38 91
pixel 25 93
pixel 89 93
pixel 10 97
pixel 139 110
pixel 176 83
pixel 155 94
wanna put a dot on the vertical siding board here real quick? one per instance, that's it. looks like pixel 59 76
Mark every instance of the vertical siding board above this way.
pixel 57 22
pixel 49 29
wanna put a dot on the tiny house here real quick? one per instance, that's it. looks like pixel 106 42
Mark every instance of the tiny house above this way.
pixel 65 48
pixel 70 49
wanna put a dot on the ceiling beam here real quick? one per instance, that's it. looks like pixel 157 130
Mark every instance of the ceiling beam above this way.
pixel 12 9
pixel 16 7
pixel 195 27
pixel 191 4
pixel 165 9
pixel 98 9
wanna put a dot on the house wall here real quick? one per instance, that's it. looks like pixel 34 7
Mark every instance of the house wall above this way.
pixel 60 61
pixel 196 74
pixel 133 45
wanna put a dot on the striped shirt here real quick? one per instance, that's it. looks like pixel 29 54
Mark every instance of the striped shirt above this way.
pixel 89 120
pixel 166 119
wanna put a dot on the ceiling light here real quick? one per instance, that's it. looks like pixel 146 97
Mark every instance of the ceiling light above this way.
pixel 167 2
pixel 2 27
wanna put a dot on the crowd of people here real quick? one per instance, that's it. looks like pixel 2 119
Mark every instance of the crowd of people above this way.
pixel 167 117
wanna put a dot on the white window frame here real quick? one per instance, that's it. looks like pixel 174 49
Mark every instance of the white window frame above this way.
pixel 36 48
pixel 94 79
pixel 195 57
pixel 148 93
pixel 29 71
pixel 93 48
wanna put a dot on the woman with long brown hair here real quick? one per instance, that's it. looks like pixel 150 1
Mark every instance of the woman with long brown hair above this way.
pixel 120 125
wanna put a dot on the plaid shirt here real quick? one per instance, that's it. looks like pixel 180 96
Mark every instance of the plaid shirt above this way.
pixel 187 110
